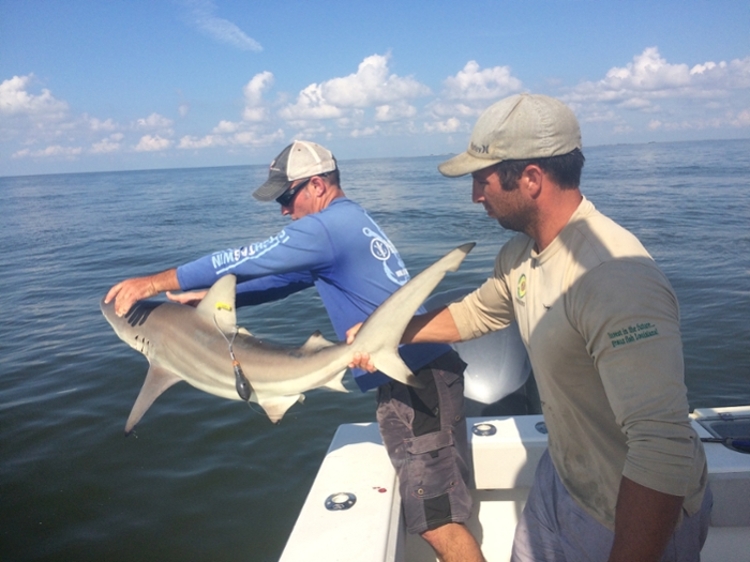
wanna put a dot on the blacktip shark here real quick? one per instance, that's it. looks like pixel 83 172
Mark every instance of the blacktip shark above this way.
pixel 204 346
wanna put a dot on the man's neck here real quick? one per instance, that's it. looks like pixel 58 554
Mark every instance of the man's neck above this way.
pixel 554 215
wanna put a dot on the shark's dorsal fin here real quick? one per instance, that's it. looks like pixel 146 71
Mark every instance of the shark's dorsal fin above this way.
pixel 315 342
pixel 218 304
pixel 157 381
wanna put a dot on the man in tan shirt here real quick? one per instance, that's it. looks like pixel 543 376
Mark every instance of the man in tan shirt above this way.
pixel 625 474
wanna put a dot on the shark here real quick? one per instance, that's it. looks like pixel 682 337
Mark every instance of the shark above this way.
pixel 205 347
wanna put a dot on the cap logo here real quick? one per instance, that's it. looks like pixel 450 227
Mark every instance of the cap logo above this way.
pixel 484 149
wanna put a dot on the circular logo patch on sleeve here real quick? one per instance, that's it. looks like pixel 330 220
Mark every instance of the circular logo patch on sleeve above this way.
pixel 521 291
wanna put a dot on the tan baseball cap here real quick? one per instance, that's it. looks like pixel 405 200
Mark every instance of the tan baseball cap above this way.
pixel 519 127
pixel 299 160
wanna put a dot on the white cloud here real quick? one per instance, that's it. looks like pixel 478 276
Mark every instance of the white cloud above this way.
pixel 310 105
pixel 471 83
pixel 99 125
pixel 439 109
pixel 254 138
pixel 16 100
pixel 208 141
pixel 593 116
pixel 225 127
pixel 646 98
pixel 450 125
pixel 205 142
pixel 248 131
pixel 253 92
pixel 648 72
pixel 154 121
pixel 365 132
pixel 466 94
pixel 149 143
pixel 201 16
pixel 372 85
pixel 730 119
pixel 675 96
pixel 237 138
pixel 732 75
pixel 395 112
pixel 57 150
pixel 650 77
pixel 742 119
pixel 108 145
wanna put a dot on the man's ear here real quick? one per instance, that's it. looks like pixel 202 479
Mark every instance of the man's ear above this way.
pixel 319 185
pixel 532 178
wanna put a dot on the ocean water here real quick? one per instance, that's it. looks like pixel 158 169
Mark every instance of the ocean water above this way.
pixel 209 479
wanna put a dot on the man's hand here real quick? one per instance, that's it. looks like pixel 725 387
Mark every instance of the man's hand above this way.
pixel 359 360
pixel 352 332
pixel 192 298
pixel 435 326
pixel 362 361
pixel 127 293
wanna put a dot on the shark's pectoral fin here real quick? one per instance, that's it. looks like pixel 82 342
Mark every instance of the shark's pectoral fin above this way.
pixel 157 381
pixel 336 384
pixel 276 406
pixel 392 365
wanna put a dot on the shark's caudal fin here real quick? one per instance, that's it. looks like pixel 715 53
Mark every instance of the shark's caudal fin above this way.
pixel 381 333
pixel 157 381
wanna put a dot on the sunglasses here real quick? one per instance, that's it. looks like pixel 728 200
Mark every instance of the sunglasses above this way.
pixel 286 198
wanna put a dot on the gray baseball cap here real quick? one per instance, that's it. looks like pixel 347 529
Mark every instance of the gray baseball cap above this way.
pixel 299 160
pixel 519 127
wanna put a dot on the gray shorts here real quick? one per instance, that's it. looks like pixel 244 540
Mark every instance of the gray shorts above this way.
pixel 554 528
pixel 424 432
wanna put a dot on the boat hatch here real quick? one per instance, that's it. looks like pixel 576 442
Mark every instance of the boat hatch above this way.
pixel 732 430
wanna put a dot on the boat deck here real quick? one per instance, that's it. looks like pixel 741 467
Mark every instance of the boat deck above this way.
pixel 353 509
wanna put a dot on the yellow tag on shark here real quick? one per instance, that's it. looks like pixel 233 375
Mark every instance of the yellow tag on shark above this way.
pixel 223 306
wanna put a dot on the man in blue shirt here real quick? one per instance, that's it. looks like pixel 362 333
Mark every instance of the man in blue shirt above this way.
pixel 334 245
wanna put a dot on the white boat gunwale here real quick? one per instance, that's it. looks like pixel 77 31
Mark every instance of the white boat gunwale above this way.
pixel 504 465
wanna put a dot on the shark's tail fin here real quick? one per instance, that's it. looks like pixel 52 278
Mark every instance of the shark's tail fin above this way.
pixel 381 333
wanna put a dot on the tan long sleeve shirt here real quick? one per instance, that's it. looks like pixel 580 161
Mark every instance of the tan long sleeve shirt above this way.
pixel 600 322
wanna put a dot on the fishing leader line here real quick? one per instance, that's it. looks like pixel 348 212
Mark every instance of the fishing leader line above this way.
pixel 240 380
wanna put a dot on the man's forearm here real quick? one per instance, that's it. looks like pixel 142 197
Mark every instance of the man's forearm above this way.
pixel 435 326
pixel 165 281
pixel 644 521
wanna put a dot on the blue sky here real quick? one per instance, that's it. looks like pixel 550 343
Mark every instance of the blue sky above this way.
pixel 95 85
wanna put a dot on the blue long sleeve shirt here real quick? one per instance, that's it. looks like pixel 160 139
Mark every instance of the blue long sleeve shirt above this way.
pixel 341 251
